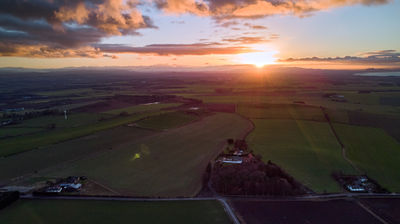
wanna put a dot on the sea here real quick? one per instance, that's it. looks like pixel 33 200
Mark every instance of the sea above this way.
pixel 378 73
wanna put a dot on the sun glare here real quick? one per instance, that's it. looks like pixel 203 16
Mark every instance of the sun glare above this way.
pixel 258 59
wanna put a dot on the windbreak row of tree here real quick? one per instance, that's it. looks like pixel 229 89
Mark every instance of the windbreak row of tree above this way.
pixel 254 178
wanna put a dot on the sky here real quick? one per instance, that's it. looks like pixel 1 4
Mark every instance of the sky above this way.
pixel 334 34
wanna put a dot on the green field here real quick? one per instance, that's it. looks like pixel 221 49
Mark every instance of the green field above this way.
pixel 280 111
pixel 73 120
pixel 142 108
pixel 307 150
pixel 169 163
pixel 374 151
pixel 27 163
pixel 99 212
pixel 24 143
pixel 166 120
pixel 11 131
pixel 65 92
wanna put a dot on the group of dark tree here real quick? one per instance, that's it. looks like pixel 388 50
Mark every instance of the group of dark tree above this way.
pixel 253 178
pixel 6 198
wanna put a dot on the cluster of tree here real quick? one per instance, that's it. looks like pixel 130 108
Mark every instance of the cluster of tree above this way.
pixel 207 175
pixel 234 145
pixel 253 178
pixel 6 198
pixel 241 144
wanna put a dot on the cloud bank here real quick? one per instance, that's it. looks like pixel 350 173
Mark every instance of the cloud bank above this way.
pixel 74 28
pixel 373 58
pixel 227 9
pixel 56 28
pixel 175 49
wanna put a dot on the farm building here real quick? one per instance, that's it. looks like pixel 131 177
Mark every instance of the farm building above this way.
pixel 338 98
pixel 7 122
pixel 232 159
pixel 56 189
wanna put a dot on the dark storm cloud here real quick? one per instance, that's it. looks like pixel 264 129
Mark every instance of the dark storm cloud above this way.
pixel 48 26
pixel 39 32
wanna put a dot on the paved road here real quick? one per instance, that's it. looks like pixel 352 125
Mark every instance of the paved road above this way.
pixel 371 212
pixel 248 198
pixel 229 210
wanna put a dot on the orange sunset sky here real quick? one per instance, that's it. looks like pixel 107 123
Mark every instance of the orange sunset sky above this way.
pixel 196 33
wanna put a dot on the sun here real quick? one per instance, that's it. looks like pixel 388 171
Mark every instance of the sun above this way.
pixel 258 59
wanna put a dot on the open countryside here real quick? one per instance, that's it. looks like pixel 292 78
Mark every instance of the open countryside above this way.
pixel 199 111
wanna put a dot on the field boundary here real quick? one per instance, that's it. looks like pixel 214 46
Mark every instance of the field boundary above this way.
pixel 344 154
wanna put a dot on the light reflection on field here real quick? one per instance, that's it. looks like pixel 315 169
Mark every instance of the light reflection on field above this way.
pixel 144 150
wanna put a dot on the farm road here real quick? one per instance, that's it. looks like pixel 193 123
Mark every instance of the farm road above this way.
pixel 344 155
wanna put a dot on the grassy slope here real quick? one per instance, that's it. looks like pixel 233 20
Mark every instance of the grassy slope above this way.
pixel 305 149
pixel 25 143
pixel 170 163
pixel 142 108
pixel 99 212
pixel 375 152
pixel 167 120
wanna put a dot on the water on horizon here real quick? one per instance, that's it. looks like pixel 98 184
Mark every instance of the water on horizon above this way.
pixel 378 73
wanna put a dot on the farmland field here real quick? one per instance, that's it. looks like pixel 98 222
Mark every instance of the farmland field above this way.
pixel 73 120
pixel 27 163
pixel 387 208
pixel 303 212
pixel 142 108
pixel 307 150
pixel 374 151
pixel 166 120
pixel 280 111
pixel 99 212
pixel 170 163
pixel 65 92
pixel 25 143
pixel 13 131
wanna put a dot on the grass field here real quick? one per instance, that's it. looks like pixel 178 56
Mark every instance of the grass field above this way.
pixel 11 131
pixel 99 212
pixel 167 120
pixel 280 111
pixel 73 120
pixel 307 150
pixel 170 163
pixel 142 108
pixel 238 98
pixel 26 163
pixel 25 143
pixel 374 151
pixel 64 92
